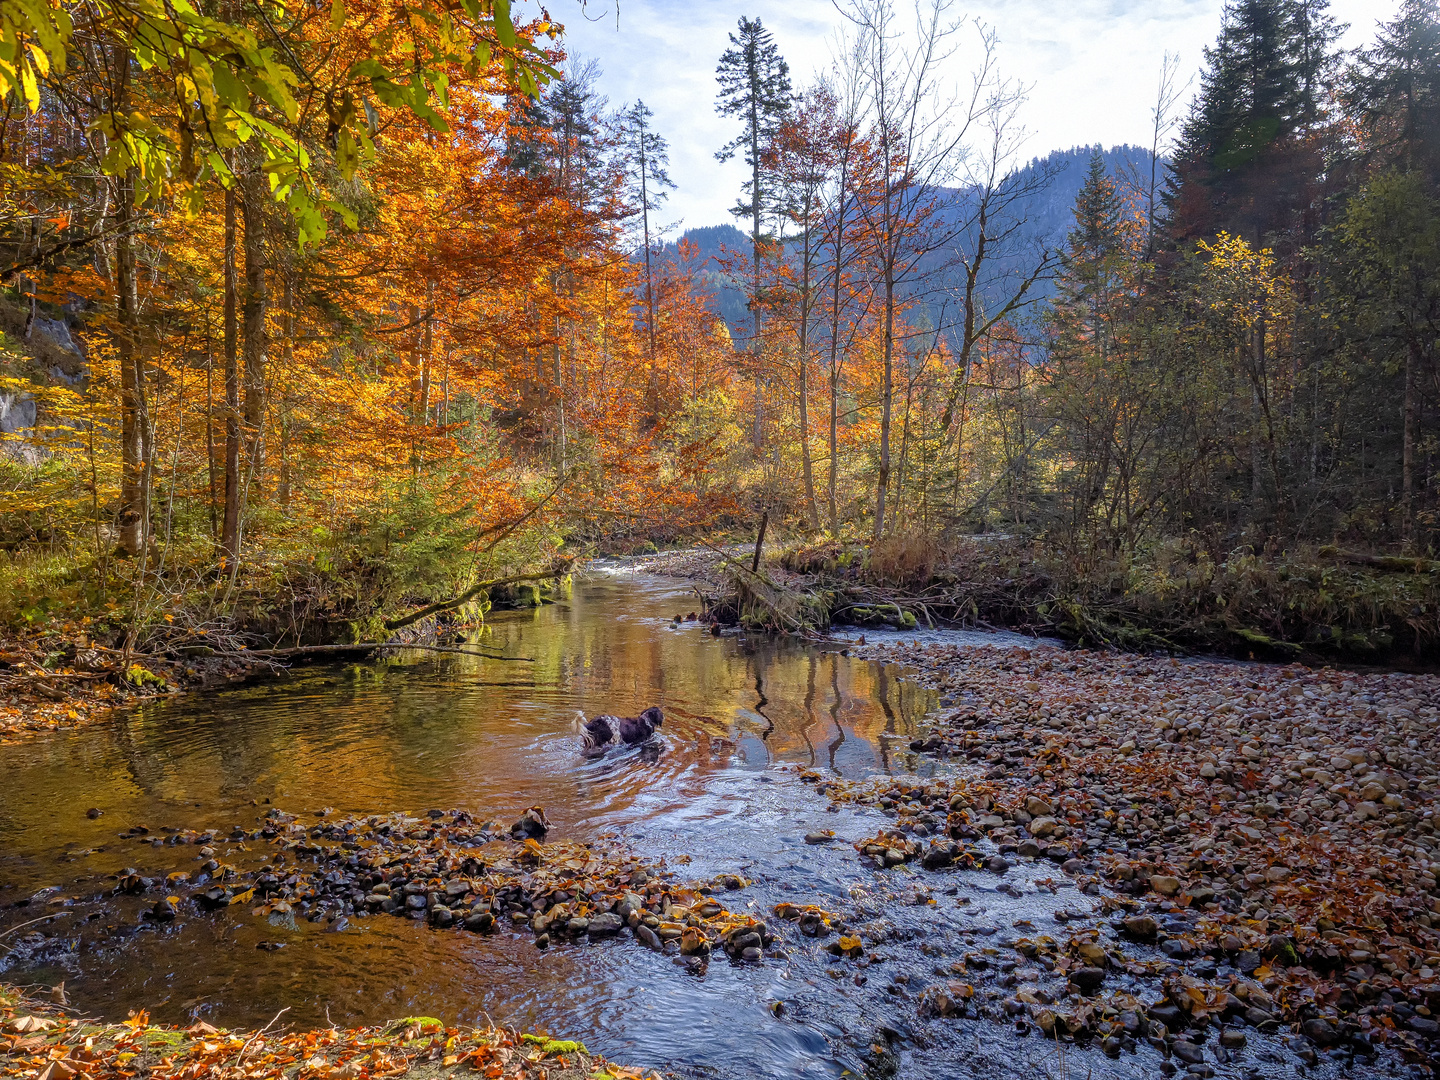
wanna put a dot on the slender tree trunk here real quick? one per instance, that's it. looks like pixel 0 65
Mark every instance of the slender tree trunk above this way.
pixel 807 467
pixel 210 440
pixel 758 434
pixel 135 435
pixel 887 401
pixel 833 507
pixel 288 361
pixel 230 531
pixel 1407 464
pixel 653 383
pixel 257 338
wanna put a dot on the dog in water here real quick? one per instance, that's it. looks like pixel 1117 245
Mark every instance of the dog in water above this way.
pixel 596 736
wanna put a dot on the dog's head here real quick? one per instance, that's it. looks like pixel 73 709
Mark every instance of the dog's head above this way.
pixel 653 715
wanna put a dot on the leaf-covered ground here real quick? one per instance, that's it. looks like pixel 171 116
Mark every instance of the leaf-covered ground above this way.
pixel 46 1041
pixel 1270 829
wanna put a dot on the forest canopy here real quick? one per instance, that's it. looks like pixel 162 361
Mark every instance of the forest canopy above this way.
pixel 363 303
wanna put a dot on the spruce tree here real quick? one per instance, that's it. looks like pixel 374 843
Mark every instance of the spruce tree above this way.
pixel 1394 91
pixel 1246 159
pixel 755 86
pixel 647 165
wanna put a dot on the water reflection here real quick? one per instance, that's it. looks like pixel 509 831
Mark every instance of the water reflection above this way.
pixel 422 731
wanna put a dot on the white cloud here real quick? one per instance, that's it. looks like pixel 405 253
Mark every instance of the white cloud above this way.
pixel 1092 67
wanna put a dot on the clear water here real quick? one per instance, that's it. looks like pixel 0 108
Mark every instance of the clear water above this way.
pixel 424 730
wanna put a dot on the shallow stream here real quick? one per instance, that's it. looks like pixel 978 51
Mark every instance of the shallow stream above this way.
pixel 425 731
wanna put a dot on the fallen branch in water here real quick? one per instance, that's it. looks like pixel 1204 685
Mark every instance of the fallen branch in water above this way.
pixel 371 646
pixel 560 569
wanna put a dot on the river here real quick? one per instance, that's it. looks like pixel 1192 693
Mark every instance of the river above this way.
pixel 420 731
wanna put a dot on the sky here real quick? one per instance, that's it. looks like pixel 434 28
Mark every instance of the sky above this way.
pixel 1091 65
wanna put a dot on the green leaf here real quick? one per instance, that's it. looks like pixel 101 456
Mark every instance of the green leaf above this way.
pixel 504 28
pixel 337 14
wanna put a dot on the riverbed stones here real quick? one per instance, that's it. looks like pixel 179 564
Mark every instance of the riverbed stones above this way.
pixel 1187 1051
pixel 606 924
pixel 1087 979
pixel 1164 884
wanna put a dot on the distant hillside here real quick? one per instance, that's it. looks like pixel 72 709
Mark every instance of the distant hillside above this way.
pixel 1048 214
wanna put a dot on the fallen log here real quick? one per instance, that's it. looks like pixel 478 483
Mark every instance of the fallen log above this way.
pixel 1395 564
pixel 363 647
pixel 559 570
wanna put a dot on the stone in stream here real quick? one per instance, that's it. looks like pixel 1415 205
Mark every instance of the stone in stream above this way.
pixel 532 824
pixel 998 864
pixel 1187 1052
pixel 479 921
pixel 649 938
pixel 1087 979
pixel 819 838
pixel 605 924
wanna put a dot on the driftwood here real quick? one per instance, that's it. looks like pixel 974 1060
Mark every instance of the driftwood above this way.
pixel 1397 564
pixel 560 569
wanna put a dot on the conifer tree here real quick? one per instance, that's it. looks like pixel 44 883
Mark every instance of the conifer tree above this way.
pixel 1394 90
pixel 755 86
pixel 1261 94
pixel 647 163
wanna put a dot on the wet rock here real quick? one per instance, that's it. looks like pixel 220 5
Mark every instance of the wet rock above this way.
pixel 997 864
pixel 819 838
pixel 649 938
pixel 532 824
pixel 1037 807
pixel 605 924
pixel 94 812
pixel 1042 826
pixel 1141 927
pixel 1233 1039
pixel 1168 1014
pixel 1087 979
pixel 945 1001
pixel 542 941
pixel 441 917
pixel 694 943
pixel 1187 1052
pixel 1320 1032
pixel 1164 884
pixel 480 922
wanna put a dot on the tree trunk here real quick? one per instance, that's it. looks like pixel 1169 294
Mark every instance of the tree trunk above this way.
pixel 288 360
pixel 230 530
pixel 135 436
pixel 887 398
pixel 1407 463
pixel 758 434
pixel 257 338
pixel 806 466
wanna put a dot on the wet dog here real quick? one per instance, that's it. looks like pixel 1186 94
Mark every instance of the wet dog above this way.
pixel 596 736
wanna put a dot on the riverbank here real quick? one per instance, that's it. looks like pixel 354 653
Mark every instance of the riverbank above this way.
pixel 44 1040
pixel 1317 606
pixel 69 668
pixel 1271 829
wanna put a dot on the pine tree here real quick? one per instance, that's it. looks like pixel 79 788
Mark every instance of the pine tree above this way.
pixel 1394 90
pixel 647 163
pixel 1089 372
pixel 755 86
pixel 1245 160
